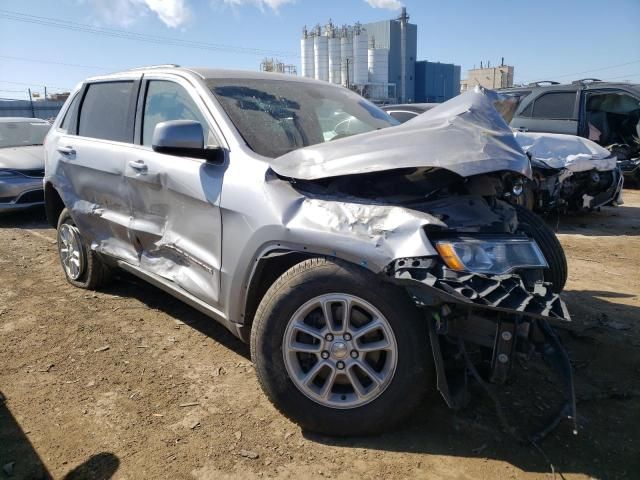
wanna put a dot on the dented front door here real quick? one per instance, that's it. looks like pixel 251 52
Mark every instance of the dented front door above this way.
pixel 175 222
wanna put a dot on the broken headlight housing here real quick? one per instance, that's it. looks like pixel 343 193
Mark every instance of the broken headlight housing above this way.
pixel 494 255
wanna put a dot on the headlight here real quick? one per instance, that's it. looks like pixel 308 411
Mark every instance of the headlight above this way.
pixel 490 255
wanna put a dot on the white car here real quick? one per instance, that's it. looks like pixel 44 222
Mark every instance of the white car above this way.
pixel 21 163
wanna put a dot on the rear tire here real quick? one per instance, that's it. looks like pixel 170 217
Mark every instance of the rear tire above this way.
pixel 340 410
pixel 82 266
pixel 534 227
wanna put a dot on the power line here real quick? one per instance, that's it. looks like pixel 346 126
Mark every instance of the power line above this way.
pixel 50 62
pixel 586 71
pixel 130 35
pixel 34 84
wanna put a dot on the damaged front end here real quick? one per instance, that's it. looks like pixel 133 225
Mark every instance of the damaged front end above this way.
pixel 479 279
pixel 570 174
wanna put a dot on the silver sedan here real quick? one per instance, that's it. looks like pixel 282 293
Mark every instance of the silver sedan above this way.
pixel 21 163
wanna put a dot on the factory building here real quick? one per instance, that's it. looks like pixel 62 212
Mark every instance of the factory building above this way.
pixel 378 60
pixel 400 38
pixel 436 82
pixel 489 77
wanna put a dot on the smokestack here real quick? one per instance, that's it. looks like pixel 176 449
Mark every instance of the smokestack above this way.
pixel 502 62
pixel 404 19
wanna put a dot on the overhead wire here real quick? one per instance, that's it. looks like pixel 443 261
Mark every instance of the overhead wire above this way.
pixel 131 35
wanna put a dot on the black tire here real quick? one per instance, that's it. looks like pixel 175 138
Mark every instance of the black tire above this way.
pixel 413 376
pixel 95 272
pixel 534 227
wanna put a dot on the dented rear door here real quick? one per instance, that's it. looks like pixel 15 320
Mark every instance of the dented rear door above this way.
pixel 91 165
pixel 176 223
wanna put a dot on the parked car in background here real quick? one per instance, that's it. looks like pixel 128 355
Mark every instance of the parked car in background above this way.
pixel 569 173
pixel 21 162
pixel 356 259
pixel 607 113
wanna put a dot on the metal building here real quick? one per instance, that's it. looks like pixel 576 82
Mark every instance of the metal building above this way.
pixel 436 82
pixel 401 39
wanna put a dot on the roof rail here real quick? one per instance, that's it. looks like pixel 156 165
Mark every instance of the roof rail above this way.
pixel 540 83
pixel 166 65
pixel 582 81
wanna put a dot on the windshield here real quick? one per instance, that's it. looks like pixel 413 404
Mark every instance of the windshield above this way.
pixel 20 134
pixel 276 116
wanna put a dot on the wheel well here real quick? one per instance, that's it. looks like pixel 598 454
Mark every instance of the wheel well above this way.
pixel 53 204
pixel 267 271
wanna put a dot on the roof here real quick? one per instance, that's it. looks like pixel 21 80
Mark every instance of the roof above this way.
pixel 575 86
pixel 212 73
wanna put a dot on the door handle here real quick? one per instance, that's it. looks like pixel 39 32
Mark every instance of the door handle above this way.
pixel 522 129
pixel 138 165
pixel 67 151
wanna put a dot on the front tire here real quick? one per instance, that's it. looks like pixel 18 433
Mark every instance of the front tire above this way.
pixel 534 227
pixel 82 266
pixel 339 351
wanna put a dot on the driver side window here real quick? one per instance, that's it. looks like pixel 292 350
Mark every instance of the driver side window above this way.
pixel 166 101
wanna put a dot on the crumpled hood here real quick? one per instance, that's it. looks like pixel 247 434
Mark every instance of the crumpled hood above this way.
pixel 465 135
pixel 565 151
pixel 22 158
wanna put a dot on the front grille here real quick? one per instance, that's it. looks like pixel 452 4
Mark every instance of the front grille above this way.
pixel 32 197
pixel 34 172
pixel 6 199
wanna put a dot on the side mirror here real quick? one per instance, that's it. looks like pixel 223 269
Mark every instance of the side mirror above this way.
pixel 183 138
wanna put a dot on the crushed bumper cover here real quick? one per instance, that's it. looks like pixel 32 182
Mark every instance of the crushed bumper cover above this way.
pixel 504 293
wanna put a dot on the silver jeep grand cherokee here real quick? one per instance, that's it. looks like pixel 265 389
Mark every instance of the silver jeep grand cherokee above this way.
pixel 355 255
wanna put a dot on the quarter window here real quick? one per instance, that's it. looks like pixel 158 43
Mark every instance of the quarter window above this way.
pixel 105 112
pixel 70 113
pixel 167 101
pixel 555 105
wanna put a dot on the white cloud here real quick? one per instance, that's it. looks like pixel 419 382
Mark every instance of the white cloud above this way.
pixel 173 13
pixel 261 4
pixel 388 4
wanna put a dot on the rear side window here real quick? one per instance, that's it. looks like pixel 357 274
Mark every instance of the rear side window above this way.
pixel 555 105
pixel 105 112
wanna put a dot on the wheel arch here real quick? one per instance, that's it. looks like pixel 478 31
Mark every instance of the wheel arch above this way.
pixel 53 204
pixel 268 267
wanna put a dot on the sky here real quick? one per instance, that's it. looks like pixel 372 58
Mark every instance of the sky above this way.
pixel 544 39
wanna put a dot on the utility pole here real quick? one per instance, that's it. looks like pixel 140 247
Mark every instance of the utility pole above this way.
pixel 33 110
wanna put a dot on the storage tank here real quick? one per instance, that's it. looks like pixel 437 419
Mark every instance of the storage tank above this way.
pixel 346 57
pixel 360 56
pixel 334 60
pixel 321 57
pixel 306 55
pixel 379 65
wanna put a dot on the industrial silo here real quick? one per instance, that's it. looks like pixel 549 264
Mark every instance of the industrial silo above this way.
pixel 379 65
pixel 334 59
pixel 360 56
pixel 346 56
pixel 306 55
pixel 321 55
pixel 379 73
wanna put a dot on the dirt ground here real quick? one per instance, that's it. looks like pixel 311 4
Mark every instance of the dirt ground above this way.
pixel 130 383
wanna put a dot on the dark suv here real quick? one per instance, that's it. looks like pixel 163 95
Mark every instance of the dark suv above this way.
pixel 605 112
